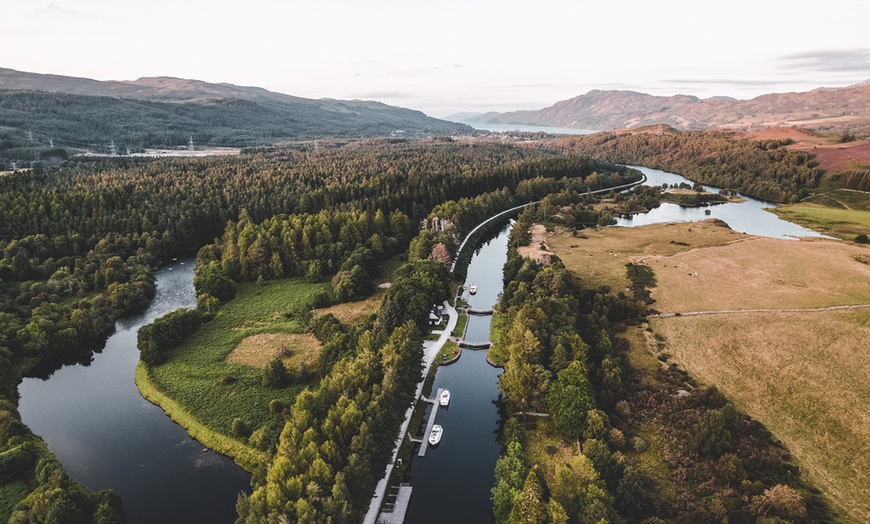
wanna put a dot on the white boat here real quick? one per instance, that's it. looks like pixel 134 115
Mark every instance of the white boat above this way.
pixel 435 435
pixel 472 288
pixel 445 397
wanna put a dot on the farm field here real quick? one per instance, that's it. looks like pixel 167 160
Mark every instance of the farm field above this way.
pixel 802 374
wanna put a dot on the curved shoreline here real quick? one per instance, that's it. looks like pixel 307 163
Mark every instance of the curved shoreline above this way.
pixel 247 457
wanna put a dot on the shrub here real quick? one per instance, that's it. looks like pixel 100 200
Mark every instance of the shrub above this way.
pixel 861 239
pixel 239 429
pixel 275 375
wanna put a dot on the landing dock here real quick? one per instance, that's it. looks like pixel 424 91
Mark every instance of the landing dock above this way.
pixel 400 507
pixel 432 414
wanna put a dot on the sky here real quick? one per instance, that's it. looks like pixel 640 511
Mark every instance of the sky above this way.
pixel 449 56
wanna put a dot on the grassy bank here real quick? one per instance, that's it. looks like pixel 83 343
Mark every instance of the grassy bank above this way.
pixel 214 391
pixel 842 213
pixel 244 455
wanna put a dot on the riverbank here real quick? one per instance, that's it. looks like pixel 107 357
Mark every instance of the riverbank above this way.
pixel 245 456
pixel 431 348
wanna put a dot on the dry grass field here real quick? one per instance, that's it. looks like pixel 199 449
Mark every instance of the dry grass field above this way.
pixel 600 258
pixel 353 312
pixel 802 374
pixel 762 273
pixel 257 350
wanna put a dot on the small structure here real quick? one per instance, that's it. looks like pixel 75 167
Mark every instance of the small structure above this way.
pixel 436 315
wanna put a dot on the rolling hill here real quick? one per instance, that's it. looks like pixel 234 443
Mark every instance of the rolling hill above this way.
pixel 164 111
pixel 824 109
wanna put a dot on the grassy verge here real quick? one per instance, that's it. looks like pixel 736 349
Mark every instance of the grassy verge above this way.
pixel 244 455
pixel 461 322
pixel 496 354
pixel 450 351
pixel 841 223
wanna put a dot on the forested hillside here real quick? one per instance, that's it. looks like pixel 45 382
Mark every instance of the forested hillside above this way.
pixel 761 169
pixel 39 113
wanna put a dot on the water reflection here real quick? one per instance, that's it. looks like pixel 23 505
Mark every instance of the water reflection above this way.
pixel 107 436
pixel 746 217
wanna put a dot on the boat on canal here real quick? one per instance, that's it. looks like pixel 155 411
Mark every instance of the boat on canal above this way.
pixel 435 435
pixel 445 398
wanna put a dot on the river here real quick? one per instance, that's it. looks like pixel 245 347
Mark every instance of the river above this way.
pixel 746 217
pixel 107 436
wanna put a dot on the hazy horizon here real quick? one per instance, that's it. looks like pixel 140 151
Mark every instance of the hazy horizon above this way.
pixel 454 57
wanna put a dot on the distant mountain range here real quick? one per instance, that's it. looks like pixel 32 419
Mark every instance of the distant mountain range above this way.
pixel 164 111
pixel 826 109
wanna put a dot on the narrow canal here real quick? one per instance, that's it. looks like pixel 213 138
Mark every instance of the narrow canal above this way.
pixel 107 436
pixel 452 482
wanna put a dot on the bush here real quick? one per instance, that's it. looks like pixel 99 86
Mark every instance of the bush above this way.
pixel 275 375
pixel 239 429
pixel 861 239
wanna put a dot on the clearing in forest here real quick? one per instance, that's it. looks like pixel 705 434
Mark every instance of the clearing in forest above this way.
pixel 293 349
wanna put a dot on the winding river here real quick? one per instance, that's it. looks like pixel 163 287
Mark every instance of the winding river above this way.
pixel 746 217
pixel 107 436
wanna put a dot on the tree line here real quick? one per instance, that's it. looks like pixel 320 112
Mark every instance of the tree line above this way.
pixel 764 169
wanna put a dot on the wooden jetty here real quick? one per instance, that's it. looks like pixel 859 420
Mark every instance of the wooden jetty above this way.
pixel 432 414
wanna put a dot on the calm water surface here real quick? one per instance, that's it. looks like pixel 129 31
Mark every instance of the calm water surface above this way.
pixel 452 482
pixel 528 129
pixel 746 217
pixel 107 436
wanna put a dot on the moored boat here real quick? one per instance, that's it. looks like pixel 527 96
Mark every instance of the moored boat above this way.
pixel 445 397
pixel 472 288
pixel 435 435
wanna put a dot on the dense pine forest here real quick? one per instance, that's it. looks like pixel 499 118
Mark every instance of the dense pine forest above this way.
pixel 80 242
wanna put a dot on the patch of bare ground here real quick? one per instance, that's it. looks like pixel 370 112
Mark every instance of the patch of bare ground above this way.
pixel 354 312
pixel 599 256
pixel 294 349
pixel 537 250
pixel 803 375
